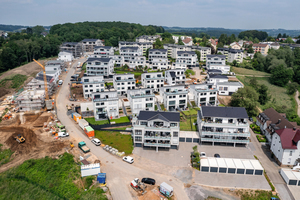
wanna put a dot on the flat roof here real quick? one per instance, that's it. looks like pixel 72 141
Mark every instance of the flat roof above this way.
pixel 190 134
pixel 289 173
pixel 229 162
pixel 212 162
pixel 204 162
pixel 221 162
pixel 256 164
pixel 247 164
pixel 296 174
pixel 233 83
pixel 238 163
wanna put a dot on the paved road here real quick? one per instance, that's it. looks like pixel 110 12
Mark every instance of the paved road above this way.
pixel 272 170
pixel 298 102
pixel 119 173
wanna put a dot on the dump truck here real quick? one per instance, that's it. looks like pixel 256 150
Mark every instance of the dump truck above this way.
pixel 19 138
pixel 83 147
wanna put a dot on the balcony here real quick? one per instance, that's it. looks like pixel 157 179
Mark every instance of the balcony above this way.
pixel 106 99
pixel 246 134
pixel 156 127
pixel 207 90
pixel 158 137
pixel 156 144
pixel 101 112
pixel 246 141
pixel 142 95
pixel 154 78
pixel 177 91
pixel 211 123
pixel 125 80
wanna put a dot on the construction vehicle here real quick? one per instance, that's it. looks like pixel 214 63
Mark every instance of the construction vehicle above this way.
pixel 71 145
pixel 49 103
pixel 20 138
pixel 83 147
pixel 138 186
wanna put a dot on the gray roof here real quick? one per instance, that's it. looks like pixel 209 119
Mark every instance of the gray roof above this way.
pixel 214 71
pixel 132 48
pixel 40 76
pixel 161 50
pixel 217 76
pixel 189 52
pixel 54 62
pixel 70 43
pixel 165 116
pixel 90 40
pixel 213 56
pixel 235 50
pixel 98 59
pixel 232 83
pixel 223 49
pixel 228 112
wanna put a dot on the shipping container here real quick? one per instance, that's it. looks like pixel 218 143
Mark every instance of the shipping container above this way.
pixel 82 123
pixel 89 131
pixel 76 117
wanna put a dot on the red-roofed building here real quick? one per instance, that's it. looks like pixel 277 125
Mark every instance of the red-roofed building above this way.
pixel 188 41
pixel 285 145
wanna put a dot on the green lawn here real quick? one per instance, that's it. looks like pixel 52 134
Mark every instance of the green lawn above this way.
pixel 192 111
pixel 5 155
pixel 121 128
pixel 110 83
pixel 191 72
pixel 117 140
pixel 14 81
pixel 92 121
pixel 187 125
pixel 121 120
pixel 162 106
pixel 244 71
pixel 155 107
pixel 47 178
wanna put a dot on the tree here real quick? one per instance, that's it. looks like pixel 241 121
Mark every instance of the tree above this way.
pixel 194 41
pixel 253 82
pixel 279 36
pixel 264 97
pixel 250 49
pixel 38 30
pixel 166 35
pixel 246 97
pixel 158 44
pixel 220 45
pixel 180 41
pixel 234 62
pixel 256 40
pixel 292 87
pixel 289 40
pixel 281 75
pixel 198 55
pixel 147 53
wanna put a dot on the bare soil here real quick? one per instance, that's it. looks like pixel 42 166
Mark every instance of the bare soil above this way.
pixel 225 100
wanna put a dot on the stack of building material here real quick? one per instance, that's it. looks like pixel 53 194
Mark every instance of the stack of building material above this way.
pixel 30 100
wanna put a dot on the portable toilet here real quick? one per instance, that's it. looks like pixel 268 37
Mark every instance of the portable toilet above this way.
pixel 101 178
pixel 89 131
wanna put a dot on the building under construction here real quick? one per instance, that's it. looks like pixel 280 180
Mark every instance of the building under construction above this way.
pixel 30 100
pixel 39 84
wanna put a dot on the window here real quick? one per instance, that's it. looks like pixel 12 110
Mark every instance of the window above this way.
pixel 138 138
pixel 86 86
pixel 138 132
pixel 175 134
pixel 291 153
pixel 86 90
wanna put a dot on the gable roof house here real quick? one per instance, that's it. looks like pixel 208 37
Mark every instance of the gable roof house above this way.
pixel 188 41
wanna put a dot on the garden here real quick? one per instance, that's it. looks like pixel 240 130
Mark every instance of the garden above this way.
pixel 256 129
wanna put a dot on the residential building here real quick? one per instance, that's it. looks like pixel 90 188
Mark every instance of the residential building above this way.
pixel 235 45
pixel 103 51
pixel 54 68
pixel 88 45
pixel 156 129
pixel 123 82
pixel 174 97
pixel 143 46
pixel 214 43
pixel 228 88
pixel 133 56
pixel 247 43
pixel 217 62
pixel 188 41
pixel 30 100
pixel 285 146
pixel 155 81
pixel 176 48
pixel 105 105
pixel 203 51
pixel 204 94
pixel 275 45
pixel 223 125
pixel 141 99
pixel 38 83
pixel 262 48
pixel 158 59
pixel 74 47
pixel 235 54
pixel 173 49
pixel 118 60
pixel 66 56
pixel 100 67
pixel 292 46
pixel 270 120
pixel 147 38
pixel 185 59
pixel 216 78
pixel 214 71
pixel 91 84
pixel 175 77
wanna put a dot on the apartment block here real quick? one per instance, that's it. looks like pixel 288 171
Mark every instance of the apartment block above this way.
pixel 155 81
pixel 88 45
pixel 143 46
pixel 216 79
pixel 217 62
pixel 175 77
pixel 66 56
pixel 91 84
pixel 204 94
pixel 133 56
pixel 158 59
pixel 30 100
pixel 141 99
pixel 147 38
pixel 118 60
pixel 103 51
pixel 223 125
pixel 105 105
pixel 173 49
pixel 228 88
pixel 185 59
pixel 74 47
pixel 174 97
pixel 38 83
pixel 232 54
pixel 123 82
pixel 100 67
pixel 262 48
pixel 156 129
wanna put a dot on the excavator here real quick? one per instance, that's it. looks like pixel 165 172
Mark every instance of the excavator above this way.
pixel 19 138
pixel 49 103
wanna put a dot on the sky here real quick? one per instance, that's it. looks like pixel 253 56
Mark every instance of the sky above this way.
pixel 233 14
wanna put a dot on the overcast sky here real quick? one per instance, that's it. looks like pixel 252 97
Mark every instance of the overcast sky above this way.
pixel 238 14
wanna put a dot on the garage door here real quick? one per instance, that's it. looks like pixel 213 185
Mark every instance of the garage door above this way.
pixel 181 139
pixel 240 171
pixel 222 170
pixel 204 169
pixel 213 169
pixel 196 140
pixel 231 170
pixel 188 139
pixel 258 172
pixel 292 182
pixel 249 171
pixel 138 144
pixel 173 146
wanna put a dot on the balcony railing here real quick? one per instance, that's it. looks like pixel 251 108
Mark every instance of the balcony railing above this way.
pixel 246 134
pixel 246 141
pixel 101 112
pixel 142 95
pixel 156 144
pixel 207 90
pixel 106 99
pixel 158 137
pixel 177 92
pixel 224 124
pixel 157 127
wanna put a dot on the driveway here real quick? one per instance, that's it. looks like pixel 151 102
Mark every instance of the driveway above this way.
pixel 119 173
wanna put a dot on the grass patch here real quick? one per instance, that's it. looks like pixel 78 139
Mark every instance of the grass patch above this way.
pixel 244 71
pixel 155 107
pixel 5 155
pixel 120 120
pixel 121 128
pixel 270 183
pixel 222 105
pixel 187 124
pixel 255 195
pixel 84 68
pixel 192 111
pixel 110 83
pixel 14 81
pixel 162 106
pixel 46 178
pixel 193 103
pixel 92 121
pixel 261 138
pixel 191 72
pixel 117 140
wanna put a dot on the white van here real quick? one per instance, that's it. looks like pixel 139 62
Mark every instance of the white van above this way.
pixel 60 82
pixel 63 134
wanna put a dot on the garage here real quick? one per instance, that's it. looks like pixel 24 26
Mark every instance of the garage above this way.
pixel 213 165
pixel 258 169
pixel 138 144
pixel 222 165
pixel 230 166
pixel 240 169
pixel 191 137
pixel 204 165
pixel 248 167
pixel 290 177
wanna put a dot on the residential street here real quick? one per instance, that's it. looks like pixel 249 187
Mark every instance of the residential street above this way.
pixel 119 173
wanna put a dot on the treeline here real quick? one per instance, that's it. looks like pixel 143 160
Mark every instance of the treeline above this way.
pixel 260 35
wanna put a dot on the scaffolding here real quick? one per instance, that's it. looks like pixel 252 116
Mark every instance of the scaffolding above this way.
pixel 38 84
pixel 30 100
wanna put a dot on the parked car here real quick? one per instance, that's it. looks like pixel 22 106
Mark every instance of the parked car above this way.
pixel 63 134
pixel 96 142
pixel 128 159
pixel 202 154
pixel 217 155
pixel 73 79
pixel 75 76
pixel 60 82
pixel 71 99
pixel 149 181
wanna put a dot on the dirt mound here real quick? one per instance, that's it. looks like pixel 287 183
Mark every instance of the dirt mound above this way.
pixel 56 146
pixel 30 117
pixel 40 121
pixel 30 143
pixel 4 91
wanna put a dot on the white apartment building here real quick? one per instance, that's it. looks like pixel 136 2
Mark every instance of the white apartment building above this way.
pixel 173 49
pixel 118 60
pixel 123 82
pixel 203 51
pixel 174 97
pixel 235 54
pixel 136 61
pixel 216 79
pixel 158 59
pixel 66 56
pixel 204 94
pixel 223 125
pixel 100 67
pixel 228 88
pixel 147 38
pixel 217 62
pixel 176 48
pixel 155 81
pixel 185 59
pixel 103 51
pixel 143 46
pixel 141 99
pixel 175 77
pixel 88 45
pixel 285 146
pixel 156 129
pixel 91 84
pixel 105 105
pixel 133 56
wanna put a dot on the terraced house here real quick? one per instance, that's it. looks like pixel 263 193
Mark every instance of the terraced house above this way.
pixel 158 59
pixel 141 99
pixel 106 105
pixel 155 81
pixel 185 59
pixel 204 94
pixel 100 67
pixel 175 77
pixel 174 97
pixel 123 82
pixel 154 129
pixel 223 125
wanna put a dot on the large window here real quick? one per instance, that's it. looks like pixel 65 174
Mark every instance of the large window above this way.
pixel 138 132
pixel 149 105
pixel 175 134
pixel 138 138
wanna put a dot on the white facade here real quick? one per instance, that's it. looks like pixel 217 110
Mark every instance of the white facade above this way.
pixel 174 97
pixel 91 84
pixel 158 59
pixel 66 56
pixel 103 51
pixel 155 81
pixel 147 38
pixel 141 99
pixel 217 62
pixel 175 77
pixel 234 54
pixel 123 82
pixel 100 67
pixel 204 94
pixel 133 56
pixel 143 46
pixel 118 60
pixel 88 45
pixel 185 59
pixel 228 88
pixel 156 129
pixel 216 79
pixel 106 104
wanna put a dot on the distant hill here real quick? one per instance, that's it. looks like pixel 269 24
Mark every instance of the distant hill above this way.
pixel 17 28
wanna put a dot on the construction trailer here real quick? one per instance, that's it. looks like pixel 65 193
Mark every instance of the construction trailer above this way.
pixel 30 100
